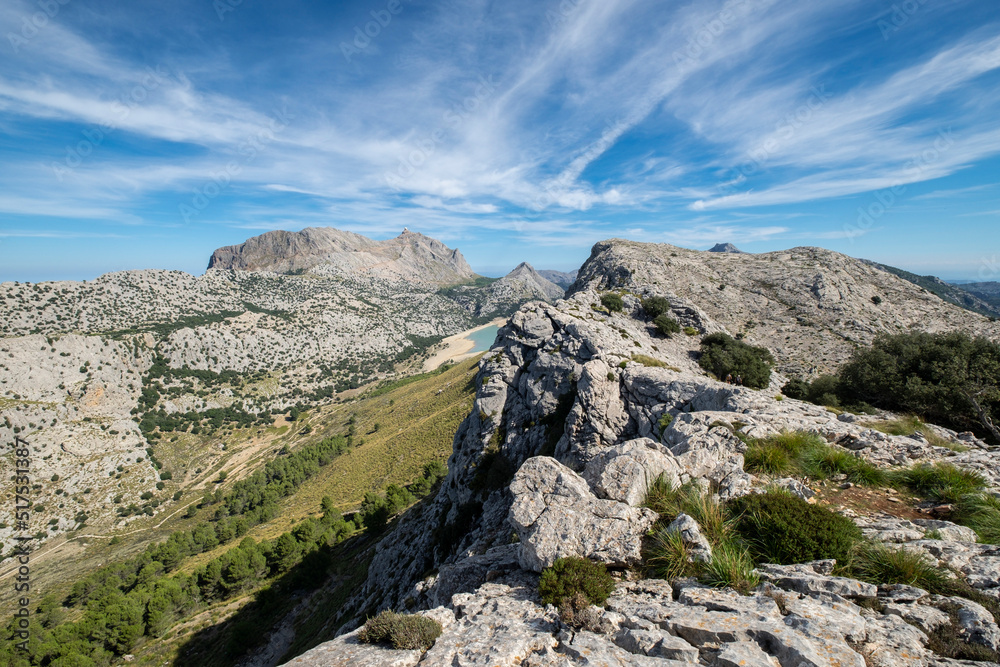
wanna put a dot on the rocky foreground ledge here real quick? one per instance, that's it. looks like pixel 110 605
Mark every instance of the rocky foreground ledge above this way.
pixel 800 616
pixel 631 407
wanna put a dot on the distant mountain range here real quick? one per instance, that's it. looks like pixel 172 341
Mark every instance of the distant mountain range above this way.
pixel 982 298
pixel 284 319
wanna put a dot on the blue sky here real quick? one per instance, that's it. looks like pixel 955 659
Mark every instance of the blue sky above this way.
pixel 146 134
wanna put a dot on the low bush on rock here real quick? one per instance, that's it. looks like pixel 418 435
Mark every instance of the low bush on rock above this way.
pixel 948 641
pixel 612 302
pixel 723 355
pixel 655 306
pixel 572 576
pixel 666 325
pixel 402 631
pixel 782 528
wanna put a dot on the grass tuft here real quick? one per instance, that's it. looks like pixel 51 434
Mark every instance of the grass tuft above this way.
pixel 878 563
pixel 809 455
pixel 909 425
pixel 941 481
pixel 731 566
pixel 981 513
pixel 668 557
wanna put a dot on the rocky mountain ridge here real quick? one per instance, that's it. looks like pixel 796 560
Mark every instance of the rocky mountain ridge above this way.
pixel 504 295
pixel 809 306
pixel 410 256
pixel 579 409
pixel 75 357
pixel 562 278
pixel 971 296
pixel 725 247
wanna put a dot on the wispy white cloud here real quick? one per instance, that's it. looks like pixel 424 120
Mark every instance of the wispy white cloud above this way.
pixel 477 116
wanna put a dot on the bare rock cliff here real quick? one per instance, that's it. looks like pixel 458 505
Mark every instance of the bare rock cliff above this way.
pixel 410 256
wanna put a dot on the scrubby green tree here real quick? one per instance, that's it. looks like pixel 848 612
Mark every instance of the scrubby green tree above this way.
pixel 655 306
pixel 950 378
pixel 287 551
pixel 666 325
pixel 723 355
pixel 374 511
pixel 612 302
pixel 796 388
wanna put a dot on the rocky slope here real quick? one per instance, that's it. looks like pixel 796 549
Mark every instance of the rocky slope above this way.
pixel 988 292
pixel 567 431
pixel 500 298
pixel 562 278
pixel 809 306
pixel 410 256
pixel 969 296
pixel 75 356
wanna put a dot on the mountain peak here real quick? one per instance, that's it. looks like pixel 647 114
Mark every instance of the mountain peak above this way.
pixel 726 247
pixel 410 256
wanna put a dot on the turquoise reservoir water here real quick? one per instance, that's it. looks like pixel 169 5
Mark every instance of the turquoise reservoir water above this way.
pixel 483 339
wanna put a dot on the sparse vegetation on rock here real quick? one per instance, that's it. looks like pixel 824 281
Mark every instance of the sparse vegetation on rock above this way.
pixel 571 576
pixel 401 631
pixel 724 356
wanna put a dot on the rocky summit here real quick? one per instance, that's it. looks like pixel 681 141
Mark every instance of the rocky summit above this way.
pixel 809 306
pixel 410 256
pixel 578 409
pixel 725 247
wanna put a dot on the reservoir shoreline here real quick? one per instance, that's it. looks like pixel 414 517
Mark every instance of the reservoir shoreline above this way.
pixel 458 347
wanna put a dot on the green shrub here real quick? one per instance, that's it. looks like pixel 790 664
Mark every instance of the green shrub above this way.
pixel 655 306
pixel 612 302
pixel 941 481
pixel 572 575
pixel 723 355
pixel 796 388
pixel 690 331
pixel 666 325
pixel 824 390
pixel 950 378
pixel 665 421
pixel 782 528
pixel 402 631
